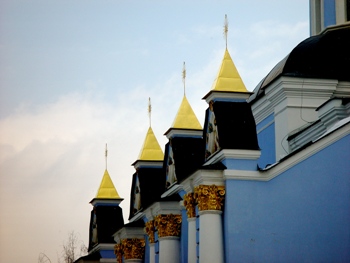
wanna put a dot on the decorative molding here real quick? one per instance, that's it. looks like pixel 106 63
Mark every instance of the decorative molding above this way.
pixel 168 225
pixel 128 232
pixel 210 197
pixel 214 94
pixel 234 154
pixel 138 164
pixel 210 212
pixel 174 189
pixel 118 251
pixel 190 204
pixel 207 177
pixel 165 208
pixel 173 132
pixel 133 248
pixel 150 229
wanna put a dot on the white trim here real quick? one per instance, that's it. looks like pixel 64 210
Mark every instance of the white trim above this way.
pixel 208 177
pixel 139 163
pixel 234 154
pixel 213 94
pixel 172 190
pixel 103 246
pixel 129 232
pixel 162 208
pixel 169 238
pixel 173 132
pixel 210 212
pixel 107 260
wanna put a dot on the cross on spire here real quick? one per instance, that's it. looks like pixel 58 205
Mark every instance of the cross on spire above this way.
pixel 106 153
pixel 184 77
pixel 226 29
pixel 149 111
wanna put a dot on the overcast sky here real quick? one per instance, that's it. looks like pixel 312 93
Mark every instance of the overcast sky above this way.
pixel 75 75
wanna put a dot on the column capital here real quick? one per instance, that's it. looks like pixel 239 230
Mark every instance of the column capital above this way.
pixel 118 251
pixel 133 248
pixel 168 225
pixel 150 229
pixel 190 204
pixel 209 197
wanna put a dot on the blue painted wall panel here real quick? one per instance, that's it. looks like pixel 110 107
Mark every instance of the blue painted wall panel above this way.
pixel 266 140
pixel 302 215
pixel 107 254
pixel 184 237
pixel 329 12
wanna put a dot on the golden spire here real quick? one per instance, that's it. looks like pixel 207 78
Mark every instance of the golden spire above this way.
pixel 149 111
pixel 184 77
pixel 151 150
pixel 228 78
pixel 107 189
pixel 185 117
pixel 226 29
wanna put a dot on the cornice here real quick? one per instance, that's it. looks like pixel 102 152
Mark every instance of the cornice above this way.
pixel 234 154
pixel 128 232
pixel 164 208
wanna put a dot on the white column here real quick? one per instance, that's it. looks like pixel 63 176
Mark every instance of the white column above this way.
pixel 152 253
pixel 192 244
pixel 169 249
pixel 211 246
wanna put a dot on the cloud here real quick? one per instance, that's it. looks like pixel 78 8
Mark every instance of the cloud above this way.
pixel 52 161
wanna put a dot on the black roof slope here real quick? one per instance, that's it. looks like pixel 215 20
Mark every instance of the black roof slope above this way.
pixel 324 56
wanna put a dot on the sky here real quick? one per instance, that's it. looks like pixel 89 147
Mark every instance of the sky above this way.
pixel 75 75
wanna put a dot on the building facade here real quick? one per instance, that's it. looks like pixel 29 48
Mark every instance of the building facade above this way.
pixel 267 178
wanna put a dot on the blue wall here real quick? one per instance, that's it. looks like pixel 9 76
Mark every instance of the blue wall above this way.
pixel 302 215
pixel 184 236
pixel 266 140
pixel 329 13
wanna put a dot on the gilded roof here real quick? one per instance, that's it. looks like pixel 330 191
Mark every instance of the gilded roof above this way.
pixel 107 189
pixel 228 78
pixel 185 117
pixel 151 150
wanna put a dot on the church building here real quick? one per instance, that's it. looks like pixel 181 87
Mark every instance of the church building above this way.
pixel 266 178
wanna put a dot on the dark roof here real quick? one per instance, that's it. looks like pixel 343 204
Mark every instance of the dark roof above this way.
pixel 324 56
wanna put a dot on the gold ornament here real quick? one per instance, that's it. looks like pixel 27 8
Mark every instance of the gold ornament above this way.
pixel 150 229
pixel 133 248
pixel 209 197
pixel 190 204
pixel 118 251
pixel 168 225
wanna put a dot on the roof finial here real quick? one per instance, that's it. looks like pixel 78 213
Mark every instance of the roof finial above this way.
pixel 149 111
pixel 226 29
pixel 184 77
pixel 106 153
